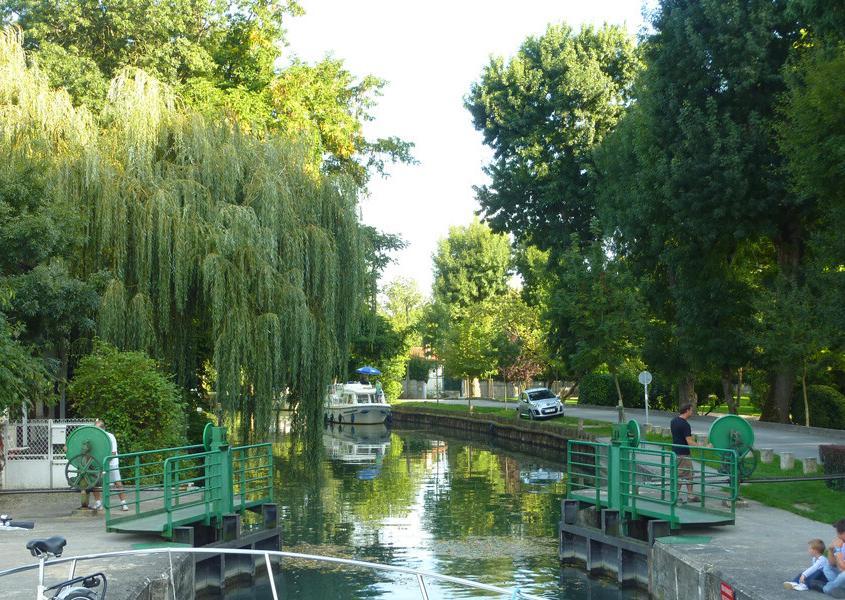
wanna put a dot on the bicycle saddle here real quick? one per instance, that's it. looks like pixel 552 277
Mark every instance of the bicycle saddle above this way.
pixel 52 545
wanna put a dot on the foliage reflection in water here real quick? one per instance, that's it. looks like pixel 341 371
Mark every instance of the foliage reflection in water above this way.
pixel 425 501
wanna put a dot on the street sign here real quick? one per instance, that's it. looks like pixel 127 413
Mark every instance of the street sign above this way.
pixel 645 379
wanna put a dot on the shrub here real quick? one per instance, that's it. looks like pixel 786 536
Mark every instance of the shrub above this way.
pixel 419 367
pixel 827 407
pixel 833 460
pixel 140 405
pixel 600 390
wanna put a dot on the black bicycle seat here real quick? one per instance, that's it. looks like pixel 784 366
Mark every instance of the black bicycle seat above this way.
pixel 52 545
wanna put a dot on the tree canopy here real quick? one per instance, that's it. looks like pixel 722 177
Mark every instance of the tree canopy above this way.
pixel 209 242
pixel 541 113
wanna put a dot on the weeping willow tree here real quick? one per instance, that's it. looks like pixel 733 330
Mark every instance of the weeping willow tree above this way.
pixel 216 243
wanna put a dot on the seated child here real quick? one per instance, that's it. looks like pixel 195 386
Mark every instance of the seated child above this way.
pixel 813 577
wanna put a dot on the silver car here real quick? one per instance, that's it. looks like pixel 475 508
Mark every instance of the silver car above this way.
pixel 539 403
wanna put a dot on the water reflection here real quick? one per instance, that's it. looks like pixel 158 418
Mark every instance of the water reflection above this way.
pixel 358 445
pixel 423 501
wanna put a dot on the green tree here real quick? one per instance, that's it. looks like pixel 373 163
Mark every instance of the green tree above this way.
pixel 403 304
pixel 470 266
pixel 139 403
pixel 327 106
pixel 519 342
pixel 697 185
pixel 220 56
pixel 216 244
pixel 542 112
pixel 381 345
pixel 83 45
pixel 595 311
pixel 468 350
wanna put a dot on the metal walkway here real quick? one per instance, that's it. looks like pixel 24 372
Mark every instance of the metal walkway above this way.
pixel 174 487
pixel 644 480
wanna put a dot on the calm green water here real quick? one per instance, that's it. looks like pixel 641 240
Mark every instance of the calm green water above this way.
pixel 421 500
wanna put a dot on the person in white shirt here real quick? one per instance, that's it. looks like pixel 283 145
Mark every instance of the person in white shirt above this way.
pixel 814 575
pixel 114 471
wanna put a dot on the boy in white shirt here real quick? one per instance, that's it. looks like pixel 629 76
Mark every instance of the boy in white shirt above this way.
pixel 114 472
pixel 815 573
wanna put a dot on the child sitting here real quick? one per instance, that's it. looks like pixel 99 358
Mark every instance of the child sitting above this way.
pixel 813 577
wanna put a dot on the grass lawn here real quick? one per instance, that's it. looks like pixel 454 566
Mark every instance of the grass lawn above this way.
pixel 811 499
pixel 597 428
pixel 745 408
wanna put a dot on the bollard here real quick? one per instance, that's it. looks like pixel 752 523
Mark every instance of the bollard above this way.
pixel 787 460
pixel 580 425
pixel 767 455
pixel 810 465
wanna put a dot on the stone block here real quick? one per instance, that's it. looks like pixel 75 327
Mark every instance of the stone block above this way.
pixel 810 465
pixel 787 460
pixel 767 455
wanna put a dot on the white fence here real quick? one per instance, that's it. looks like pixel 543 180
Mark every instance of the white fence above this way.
pixel 34 453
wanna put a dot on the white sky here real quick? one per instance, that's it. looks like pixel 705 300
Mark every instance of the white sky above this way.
pixel 430 53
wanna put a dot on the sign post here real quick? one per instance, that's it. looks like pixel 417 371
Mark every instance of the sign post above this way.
pixel 645 378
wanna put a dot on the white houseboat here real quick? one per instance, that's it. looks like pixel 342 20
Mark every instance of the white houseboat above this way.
pixel 357 403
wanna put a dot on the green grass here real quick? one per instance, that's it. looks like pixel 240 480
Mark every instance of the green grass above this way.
pixel 597 428
pixel 745 408
pixel 811 499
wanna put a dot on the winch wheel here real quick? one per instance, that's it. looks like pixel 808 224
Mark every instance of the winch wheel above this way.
pixel 83 472
pixel 633 432
pixel 732 432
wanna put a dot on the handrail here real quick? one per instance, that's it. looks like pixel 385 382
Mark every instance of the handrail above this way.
pixel 266 554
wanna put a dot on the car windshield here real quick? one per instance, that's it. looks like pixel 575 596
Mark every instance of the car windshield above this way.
pixel 541 395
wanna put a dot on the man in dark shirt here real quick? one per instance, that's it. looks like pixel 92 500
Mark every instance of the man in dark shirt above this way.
pixel 681 441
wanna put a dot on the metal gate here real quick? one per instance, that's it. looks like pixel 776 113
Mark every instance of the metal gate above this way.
pixel 34 453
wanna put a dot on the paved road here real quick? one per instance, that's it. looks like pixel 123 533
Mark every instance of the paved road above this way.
pixel 781 438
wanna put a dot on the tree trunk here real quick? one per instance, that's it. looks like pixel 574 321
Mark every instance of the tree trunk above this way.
pixel 727 391
pixel 804 390
pixel 686 392
pixel 739 388
pixel 618 389
pixel 789 243
pixel 781 393
pixel 63 368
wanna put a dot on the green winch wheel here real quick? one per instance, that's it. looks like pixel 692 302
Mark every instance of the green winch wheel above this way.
pixel 87 448
pixel 82 472
pixel 732 431
pixel 207 436
pixel 633 432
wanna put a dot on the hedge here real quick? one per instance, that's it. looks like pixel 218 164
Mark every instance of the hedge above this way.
pixel 833 460
pixel 600 390
pixel 827 407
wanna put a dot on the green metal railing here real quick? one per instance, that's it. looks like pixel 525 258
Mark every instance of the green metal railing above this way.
pixel 714 476
pixel 648 479
pixel 586 469
pixel 186 484
pixel 142 480
pixel 252 474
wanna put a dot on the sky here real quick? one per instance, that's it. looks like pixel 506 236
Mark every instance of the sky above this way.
pixel 430 53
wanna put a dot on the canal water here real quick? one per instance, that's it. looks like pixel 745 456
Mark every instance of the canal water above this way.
pixel 423 500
